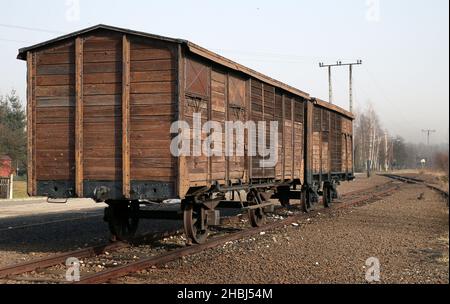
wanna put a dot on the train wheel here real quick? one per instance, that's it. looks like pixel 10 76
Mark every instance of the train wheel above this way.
pixel 327 196
pixel 257 216
pixel 195 225
pixel 123 220
pixel 306 201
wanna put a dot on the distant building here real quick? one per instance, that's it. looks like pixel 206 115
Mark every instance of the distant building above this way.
pixel 5 166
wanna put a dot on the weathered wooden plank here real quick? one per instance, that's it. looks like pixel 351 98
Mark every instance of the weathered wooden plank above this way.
pixel 56 58
pixel 153 173
pixel 152 110
pixel 67 47
pixel 52 80
pixel 57 112
pixel 150 54
pixel 110 44
pixel 102 56
pixel 102 89
pixel 153 76
pixel 103 67
pixel 102 78
pixel 54 91
pixel 153 99
pixel 103 100
pixel 55 69
pixel 126 154
pixel 153 65
pixel 182 184
pixel 79 117
pixel 151 163
pixel 153 88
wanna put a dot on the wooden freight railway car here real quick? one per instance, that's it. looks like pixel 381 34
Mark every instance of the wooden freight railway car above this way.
pixel 101 103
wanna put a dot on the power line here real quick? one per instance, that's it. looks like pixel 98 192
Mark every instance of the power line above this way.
pixel 19 27
pixel 15 41
pixel 339 63
pixel 428 131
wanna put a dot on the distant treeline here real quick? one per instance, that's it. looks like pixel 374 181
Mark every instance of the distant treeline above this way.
pixel 13 140
pixel 377 148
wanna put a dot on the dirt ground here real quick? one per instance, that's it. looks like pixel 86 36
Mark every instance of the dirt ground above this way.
pixel 408 236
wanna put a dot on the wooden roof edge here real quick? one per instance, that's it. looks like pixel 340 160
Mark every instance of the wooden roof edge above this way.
pixel 332 107
pixel 23 51
pixel 202 52
pixel 192 47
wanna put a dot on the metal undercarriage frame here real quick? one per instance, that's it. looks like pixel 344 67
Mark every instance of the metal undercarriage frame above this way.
pixel 200 209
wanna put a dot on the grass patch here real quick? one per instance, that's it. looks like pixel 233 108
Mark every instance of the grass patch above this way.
pixel 444 258
pixel 20 189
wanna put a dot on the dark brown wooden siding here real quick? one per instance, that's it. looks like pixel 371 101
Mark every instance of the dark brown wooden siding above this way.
pixel 219 113
pixel 298 139
pixel 332 142
pixel 55 115
pixel 257 104
pixel 109 123
pixel 237 112
pixel 197 101
pixel 102 108
pixel 153 109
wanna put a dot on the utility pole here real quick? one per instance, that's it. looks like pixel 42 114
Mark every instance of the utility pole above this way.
pixel 428 135
pixel 330 86
pixel 386 163
pixel 339 63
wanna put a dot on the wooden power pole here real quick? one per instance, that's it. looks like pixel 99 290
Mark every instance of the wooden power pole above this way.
pixel 330 86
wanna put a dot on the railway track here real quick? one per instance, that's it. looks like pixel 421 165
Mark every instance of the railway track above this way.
pixel 351 199
pixel 411 180
pixel 29 266
pixel 354 199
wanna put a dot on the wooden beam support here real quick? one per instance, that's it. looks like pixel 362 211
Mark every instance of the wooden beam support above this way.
pixel 309 111
pixel 126 159
pixel 265 123
pixel 30 125
pixel 227 118
pixel 79 172
pixel 249 143
pixel 293 136
pixel 283 106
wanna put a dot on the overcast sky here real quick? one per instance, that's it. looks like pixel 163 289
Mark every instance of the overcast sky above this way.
pixel 404 45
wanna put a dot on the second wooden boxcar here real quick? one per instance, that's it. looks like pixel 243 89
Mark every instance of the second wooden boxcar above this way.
pixel 101 104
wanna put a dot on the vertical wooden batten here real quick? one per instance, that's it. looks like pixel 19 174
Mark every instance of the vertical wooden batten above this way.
pixel 183 172
pixel 79 172
pixel 30 125
pixel 126 160
pixel 250 143
pixel 283 107
pixel 227 118
pixel 293 135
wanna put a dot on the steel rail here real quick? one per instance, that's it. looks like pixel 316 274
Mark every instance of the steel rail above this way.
pixel 88 252
pixel 416 181
pixel 46 262
pixel 105 276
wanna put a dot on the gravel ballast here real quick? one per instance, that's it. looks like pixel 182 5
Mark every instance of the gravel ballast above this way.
pixel 409 236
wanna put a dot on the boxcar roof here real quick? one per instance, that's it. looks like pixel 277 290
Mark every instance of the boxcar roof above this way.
pixel 324 104
pixel 193 48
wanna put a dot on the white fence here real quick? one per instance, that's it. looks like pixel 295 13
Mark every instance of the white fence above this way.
pixel 6 187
